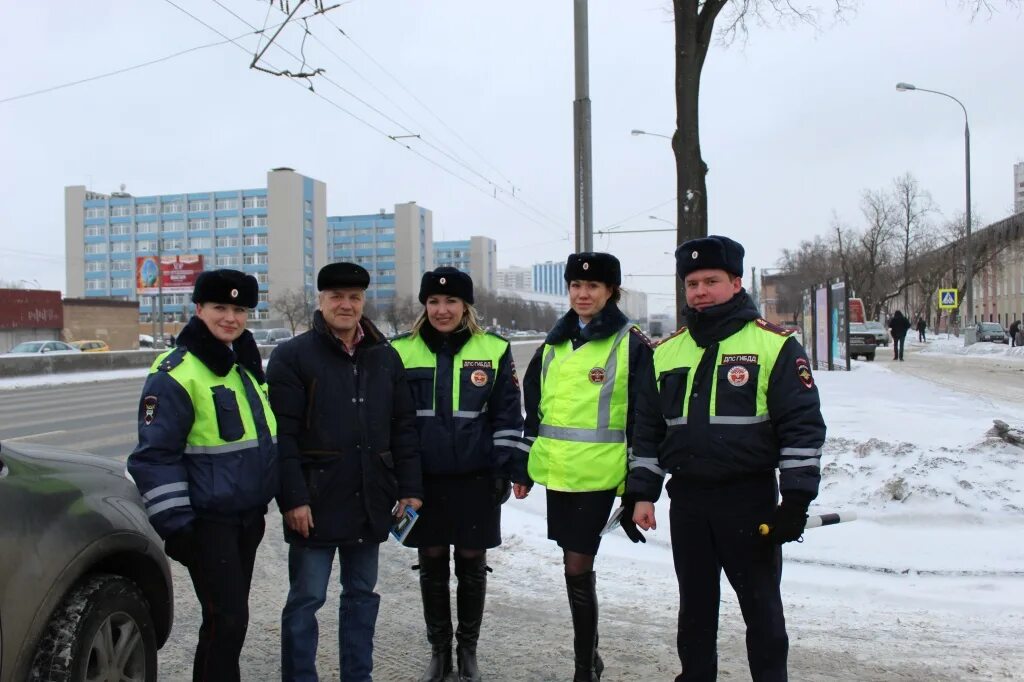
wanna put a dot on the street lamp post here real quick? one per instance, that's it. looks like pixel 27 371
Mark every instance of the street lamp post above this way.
pixel 654 217
pixel 969 330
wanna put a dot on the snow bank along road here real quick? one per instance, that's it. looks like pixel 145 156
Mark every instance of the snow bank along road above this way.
pixel 863 602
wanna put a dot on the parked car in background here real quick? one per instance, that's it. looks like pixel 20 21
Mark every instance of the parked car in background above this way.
pixel 992 331
pixel 880 332
pixel 91 346
pixel 276 336
pixel 85 589
pixel 40 347
pixel 863 342
pixel 260 335
pixel 145 341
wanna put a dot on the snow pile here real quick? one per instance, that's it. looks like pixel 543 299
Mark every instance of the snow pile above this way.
pixel 946 344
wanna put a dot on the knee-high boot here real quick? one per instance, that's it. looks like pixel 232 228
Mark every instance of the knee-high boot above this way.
pixel 582 591
pixel 472 575
pixel 437 612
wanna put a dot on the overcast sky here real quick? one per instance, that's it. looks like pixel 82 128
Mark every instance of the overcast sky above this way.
pixel 795 123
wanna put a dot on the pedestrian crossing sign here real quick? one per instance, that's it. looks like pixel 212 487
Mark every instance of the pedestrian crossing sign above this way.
pixel 949 299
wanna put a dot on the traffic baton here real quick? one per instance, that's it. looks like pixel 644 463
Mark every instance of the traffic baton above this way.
pixel 817 521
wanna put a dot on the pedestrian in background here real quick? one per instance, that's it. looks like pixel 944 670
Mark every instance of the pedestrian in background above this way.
pixel 579 391
pixel 898 327
pixel 729 399
pixel 1014 330
pixel 206 463
pixel 470 424
pixel 349 467
pixel 921 327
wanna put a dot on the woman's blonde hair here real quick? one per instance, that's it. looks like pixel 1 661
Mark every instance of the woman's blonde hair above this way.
pixel 470 321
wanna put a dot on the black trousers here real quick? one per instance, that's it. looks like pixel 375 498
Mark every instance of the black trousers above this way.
pixel 897 347
pixel 221 573
pixel 714 527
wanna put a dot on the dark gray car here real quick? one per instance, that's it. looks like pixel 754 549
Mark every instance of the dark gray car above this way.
pixel 85 589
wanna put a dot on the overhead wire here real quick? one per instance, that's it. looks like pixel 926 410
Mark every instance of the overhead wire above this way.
pixel 365 122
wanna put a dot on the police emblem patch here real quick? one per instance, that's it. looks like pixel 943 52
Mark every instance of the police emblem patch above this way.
pixel 586 266
pixel 596 375
pixel 693 255
pixel 443 280
pixel 234 293
pixel 478 377
pixel 738 375
pixel 149 404
pixel 803 372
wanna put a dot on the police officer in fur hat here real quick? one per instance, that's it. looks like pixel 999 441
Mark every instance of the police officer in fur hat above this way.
pixel 204 417
pixel 579 391
pixel 729 401
pixel 469 418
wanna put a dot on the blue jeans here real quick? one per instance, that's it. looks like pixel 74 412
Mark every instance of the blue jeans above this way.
pixel 309 570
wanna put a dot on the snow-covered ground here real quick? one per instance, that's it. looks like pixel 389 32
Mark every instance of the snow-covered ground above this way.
pixel 928 583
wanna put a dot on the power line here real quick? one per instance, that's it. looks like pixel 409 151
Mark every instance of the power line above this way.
pixel 120 71
pixel 361 120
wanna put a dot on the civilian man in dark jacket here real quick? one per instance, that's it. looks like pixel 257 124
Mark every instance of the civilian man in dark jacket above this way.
pixel 348 445
pixel 1014 329
pixel 730 399
pixel 898 327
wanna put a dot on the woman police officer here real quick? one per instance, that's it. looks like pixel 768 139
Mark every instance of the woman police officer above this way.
pixel 206 462
pixel 579 391
pixel 469 418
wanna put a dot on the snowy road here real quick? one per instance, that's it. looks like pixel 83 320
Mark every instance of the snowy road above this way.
pixel 993 377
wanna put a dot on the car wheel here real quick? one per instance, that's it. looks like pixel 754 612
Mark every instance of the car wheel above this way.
pixel 870 357
pixel 101 631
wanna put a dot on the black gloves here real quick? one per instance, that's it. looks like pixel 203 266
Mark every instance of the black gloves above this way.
pixel 790 518
pixel 181 546
pixel 501 491
pixel 626 521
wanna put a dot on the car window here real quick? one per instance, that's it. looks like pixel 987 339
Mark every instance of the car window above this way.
pixel 857 327
pixel 991 327
pixel 27 347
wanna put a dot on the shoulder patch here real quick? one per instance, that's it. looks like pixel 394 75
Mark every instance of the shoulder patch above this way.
pixel 673 335
pixel 639 333
pixel 172 359
pixel 773 328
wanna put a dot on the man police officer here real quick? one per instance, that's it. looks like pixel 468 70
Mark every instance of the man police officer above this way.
pixel 729 399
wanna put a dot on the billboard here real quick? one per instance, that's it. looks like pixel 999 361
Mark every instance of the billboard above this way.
pixel 838 321
pixel 821 326
pixel 177 274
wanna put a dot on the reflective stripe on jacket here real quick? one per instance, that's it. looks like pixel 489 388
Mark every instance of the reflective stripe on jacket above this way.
pixel 581 439
pixel 468 406
pixel 206 442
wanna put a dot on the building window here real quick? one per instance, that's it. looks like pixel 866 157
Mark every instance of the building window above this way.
pixel 254 259
pixel 119 263
pixel 227 223
pixel 95 284
pixel 227 242
pixel 200 243
pixel 96 248
pixel 121 228
pixel 121 247
pixel 309 206
pixel 229 260
pixel 145 228
pixel 95 266
pixel 145 209
pixel 95 230
pixel 227 204
pixel 262 278
pixel 96 212
pixel 199 205
pixel 263 297
pixel 308 260
pixel 120 211
pixel 199 224
pixel 146 245
pixel 172 226
pixel 254 221
pixel 173 207
pixel 254 202
pixel 309 243
pixel 255 240
pixel 172 244
pixel 121 283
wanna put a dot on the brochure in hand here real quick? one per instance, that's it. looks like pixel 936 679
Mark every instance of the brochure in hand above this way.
pixel 613 521
pixel 400 529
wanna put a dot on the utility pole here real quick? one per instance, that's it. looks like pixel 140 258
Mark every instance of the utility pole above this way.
pixel 158 341
pixel 582 158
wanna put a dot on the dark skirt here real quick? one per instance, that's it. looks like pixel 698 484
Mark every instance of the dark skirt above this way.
pixel 575 520
pixel 457 510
